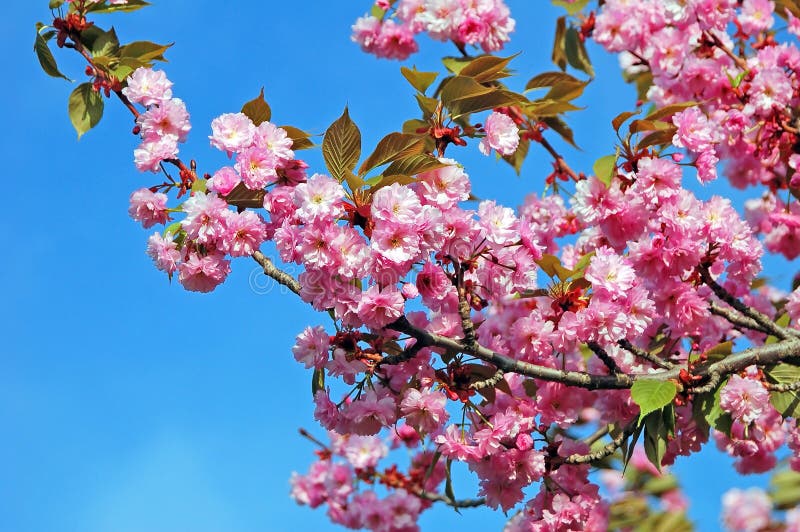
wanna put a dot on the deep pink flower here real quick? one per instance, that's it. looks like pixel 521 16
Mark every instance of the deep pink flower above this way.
pixel 380 307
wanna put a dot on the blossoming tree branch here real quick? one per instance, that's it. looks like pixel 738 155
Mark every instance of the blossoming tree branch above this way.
pixel 612 322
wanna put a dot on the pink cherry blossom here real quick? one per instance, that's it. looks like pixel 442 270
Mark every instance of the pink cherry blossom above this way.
pixel 502 135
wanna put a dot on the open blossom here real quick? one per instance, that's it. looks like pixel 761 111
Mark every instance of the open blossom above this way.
pixel 148 207
pixel 164 252
pixel 319 197
pixel 205 215
pixel 244 233
pixel 364 451
pixel 746 510
pixel 232 132
pixel 424 410
pixel 311 347
pixel 386 39
pixel 203 273
pixel 223 181
pixel 502 135
pixel 169 117
pixel 150 153
pixel 744 399
pixel 380 307
pixel 148 87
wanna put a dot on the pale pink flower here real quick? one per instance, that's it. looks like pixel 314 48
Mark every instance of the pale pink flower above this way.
pixel 257 166
pixel 443 187
pixel 275 140
pixel 244 234
pixel 205 217
pixel 150 153
pixel 744 398
pixel 364 451
pixel 756 16
pixel 311 347
pixel 502 135
pixel 746 510
pixel 167 118
pixel 424 409
pixel 148 207
pixel 232 132
pixel 148 87
pixel 164 252
pixel 319 197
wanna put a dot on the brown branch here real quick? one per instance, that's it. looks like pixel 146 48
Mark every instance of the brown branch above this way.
pixel 641 353
pixel 734 318
pixel 457 503
pixel 607 450
pixel 764 322
pixel 488 383
pixel 270 270
pixel 784 387
pixel 604 357
pixel 399 358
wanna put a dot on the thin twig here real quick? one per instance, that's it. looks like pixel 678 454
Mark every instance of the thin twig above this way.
pixel 488 383
pixel 604 357
pixel 270 270
pixel 646 355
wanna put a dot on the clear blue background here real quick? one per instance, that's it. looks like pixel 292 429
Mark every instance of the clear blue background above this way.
pixel 128 404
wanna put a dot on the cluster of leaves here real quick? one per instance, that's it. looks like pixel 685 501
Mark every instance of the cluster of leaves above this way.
pixel 113 61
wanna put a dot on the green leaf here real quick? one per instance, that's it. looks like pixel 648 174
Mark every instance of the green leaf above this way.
pixel 541 108
pixel 475 104
pixel 427 105
pixel 317 381
pixel 622 117
pixel 55 4
pixel 669 110
pixel 200 186
pixel 377 12
pixel 559 54
pixel 341 147
pixel 655 437
pixel 785 489
pixel 459 87
pixel 575 51
pixel 518 157
pixel 455 64
pixel 657 138
pixel 419 80
pixel 85 108
pixel 392 147
pixel 548 79
pixel 786 403
pixel 144 51
pixel 605 169
pixel 487 68
pixel 301 140
pixel 637 126
pixel 257 109
pixel 46 59
pixel 566 90
pixel 559 126
pixel 131 5
pixel 551 265
pixel 105 44
pixel 652 395
pixel 414 164
pixel 572 6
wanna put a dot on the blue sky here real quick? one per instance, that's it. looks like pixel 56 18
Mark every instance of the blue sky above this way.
pixel 129 404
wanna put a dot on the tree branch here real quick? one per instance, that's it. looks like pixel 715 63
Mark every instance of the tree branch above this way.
pixel 766 324
pixel 641 353
pixel 605 357
pixel 457 503
pixel 270 270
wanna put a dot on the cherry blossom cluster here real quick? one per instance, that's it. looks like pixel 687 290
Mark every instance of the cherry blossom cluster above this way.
pixel 486 23
pixel 584 286
pixel 746 114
